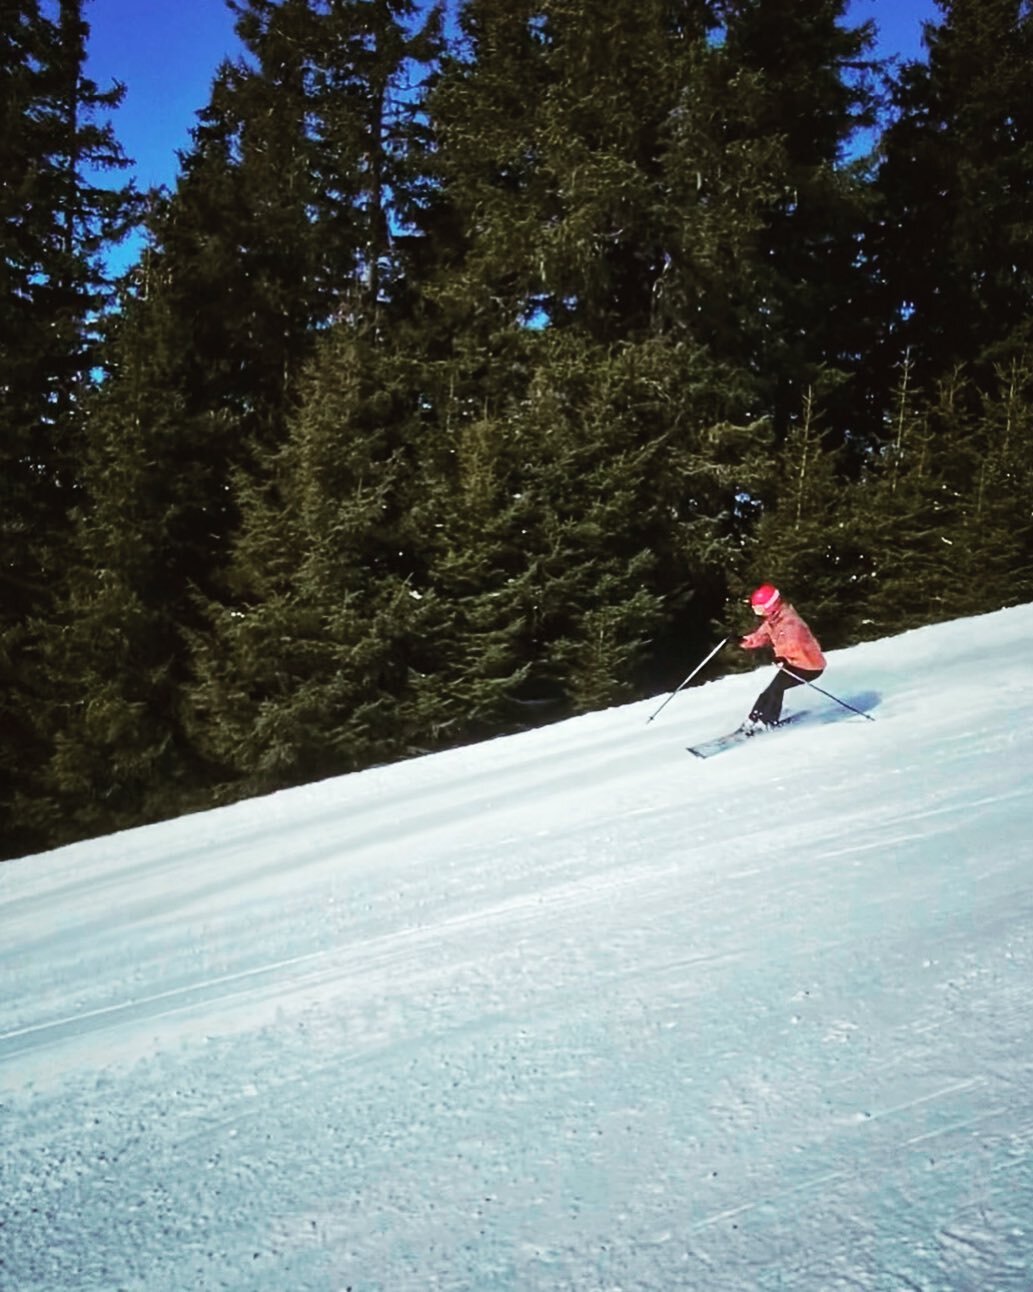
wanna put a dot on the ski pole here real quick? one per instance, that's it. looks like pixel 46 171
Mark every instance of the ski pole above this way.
pixel 790 672
pixel 689 678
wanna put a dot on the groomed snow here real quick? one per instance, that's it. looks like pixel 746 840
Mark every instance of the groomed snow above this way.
pixel 566 1010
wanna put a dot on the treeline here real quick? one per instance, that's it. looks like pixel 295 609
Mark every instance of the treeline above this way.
pixel 472 371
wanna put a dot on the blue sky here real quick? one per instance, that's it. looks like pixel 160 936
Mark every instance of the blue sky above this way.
pixel 167 56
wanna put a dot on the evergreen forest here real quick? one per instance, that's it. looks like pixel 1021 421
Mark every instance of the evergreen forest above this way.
pixel 478 362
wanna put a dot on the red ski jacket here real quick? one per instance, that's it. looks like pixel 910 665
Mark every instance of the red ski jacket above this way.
pixel 789 637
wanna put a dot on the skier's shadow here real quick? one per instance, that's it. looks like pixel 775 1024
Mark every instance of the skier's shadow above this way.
pixel 824 710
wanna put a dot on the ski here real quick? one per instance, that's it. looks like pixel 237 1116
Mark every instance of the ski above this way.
pixel 708 748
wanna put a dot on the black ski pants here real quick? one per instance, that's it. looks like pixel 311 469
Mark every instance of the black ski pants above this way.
pixel 768 708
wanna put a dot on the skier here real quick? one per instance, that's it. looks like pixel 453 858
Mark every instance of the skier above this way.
pixel 795 648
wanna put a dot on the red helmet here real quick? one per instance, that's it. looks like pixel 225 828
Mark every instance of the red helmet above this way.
pixel 765 600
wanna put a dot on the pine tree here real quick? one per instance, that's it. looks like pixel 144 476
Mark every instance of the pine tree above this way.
pixel 992 552
pixel 608 175
pixel 309 665
pixel 941 517
pixel 122 755
pixel 58 219
pixel 277 226
pixel 955 255
pixel 813 76
pixel 320 600
pixel 609 179
pixel 471 518
pixel 587 514
pixel 910 507
pixel 806 541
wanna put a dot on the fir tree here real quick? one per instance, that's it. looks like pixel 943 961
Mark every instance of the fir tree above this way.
pixel 806 540
pixel 910 506
pixel 308 667
pixel 942 515
pixel 992 552
pixel 604 175
pixel 58 219
pixel 618 196
pixel 954 257
pixel 813 86
pixel 272 232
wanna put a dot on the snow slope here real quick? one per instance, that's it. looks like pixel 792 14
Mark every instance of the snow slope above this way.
pixel 566 1010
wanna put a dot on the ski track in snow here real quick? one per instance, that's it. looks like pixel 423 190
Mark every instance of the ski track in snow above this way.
pixel 568 1010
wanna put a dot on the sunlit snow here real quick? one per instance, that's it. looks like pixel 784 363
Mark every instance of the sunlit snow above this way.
pixel 566 1010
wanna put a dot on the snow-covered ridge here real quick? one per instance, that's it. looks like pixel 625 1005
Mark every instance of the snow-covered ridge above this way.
pixel 565 1010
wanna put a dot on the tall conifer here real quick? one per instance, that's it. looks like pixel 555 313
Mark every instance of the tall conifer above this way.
pixel 955 256
pixel 605 179
pixel 316 616
pixel 58 217
pixel 813 78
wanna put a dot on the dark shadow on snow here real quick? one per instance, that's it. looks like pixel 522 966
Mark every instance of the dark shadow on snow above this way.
pixel 821 709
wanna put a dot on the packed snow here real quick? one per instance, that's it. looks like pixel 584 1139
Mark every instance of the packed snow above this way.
pixel 566 1010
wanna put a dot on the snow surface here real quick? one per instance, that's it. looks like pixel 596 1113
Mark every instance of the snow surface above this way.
pixel 566 1010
